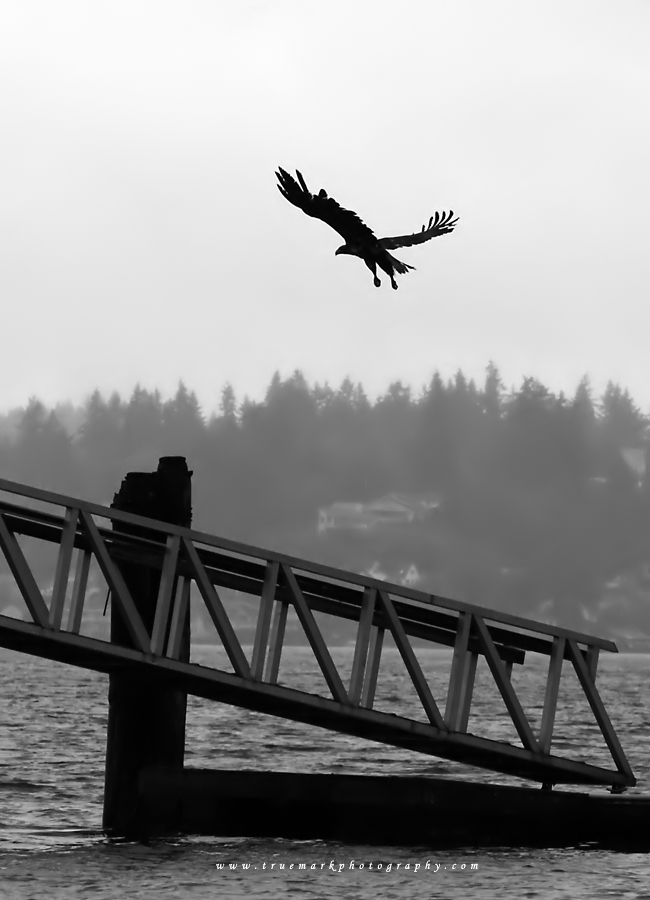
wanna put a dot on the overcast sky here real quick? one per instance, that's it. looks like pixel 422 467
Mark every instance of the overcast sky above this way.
pixel 143 238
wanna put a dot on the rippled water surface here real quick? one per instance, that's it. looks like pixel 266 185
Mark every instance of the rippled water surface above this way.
pixel 52 743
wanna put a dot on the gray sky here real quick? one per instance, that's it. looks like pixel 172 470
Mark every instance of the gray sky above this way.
pixel 143 238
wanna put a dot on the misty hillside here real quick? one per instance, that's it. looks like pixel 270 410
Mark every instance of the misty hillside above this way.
pixel 523 501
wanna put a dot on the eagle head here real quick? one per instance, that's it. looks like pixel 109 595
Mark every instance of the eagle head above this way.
pixel 342 250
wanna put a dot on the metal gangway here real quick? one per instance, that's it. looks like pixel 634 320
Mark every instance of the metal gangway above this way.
pixel 87 532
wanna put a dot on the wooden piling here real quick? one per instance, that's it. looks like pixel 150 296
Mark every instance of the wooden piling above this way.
pixel 146 719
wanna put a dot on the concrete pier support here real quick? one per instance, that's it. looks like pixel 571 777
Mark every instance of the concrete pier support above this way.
pixel 146 719
pixel 424 812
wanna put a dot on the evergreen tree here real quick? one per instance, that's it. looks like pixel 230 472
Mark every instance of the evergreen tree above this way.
pixel 42 451
pixel 98 445
pixel 183 427
pixel 492 395
pixel 228 405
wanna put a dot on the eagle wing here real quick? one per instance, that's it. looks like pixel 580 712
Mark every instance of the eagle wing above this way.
pixel 443 223
pixel 320 206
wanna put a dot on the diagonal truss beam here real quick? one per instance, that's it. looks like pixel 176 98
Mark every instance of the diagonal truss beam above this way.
pixel 23 575
pixel 461 677
pixel 165 592
pixel 551 695
pixel 410 661
pixel 119 591
pixel 62 573
pixel 276 642
pixel 262 630
pixel 216 611
pixel 362 644
pixel 372 666
pixel 504 684
pixel 598 709
pixel 79 591
pixel 181 603
pixel 315 638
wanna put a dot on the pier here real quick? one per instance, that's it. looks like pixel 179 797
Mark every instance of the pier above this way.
pixel 153 564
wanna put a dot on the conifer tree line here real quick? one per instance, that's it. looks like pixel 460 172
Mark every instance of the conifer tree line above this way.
pixel 540 506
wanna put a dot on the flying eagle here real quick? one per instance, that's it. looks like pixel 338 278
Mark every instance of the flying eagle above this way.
pixel 359 239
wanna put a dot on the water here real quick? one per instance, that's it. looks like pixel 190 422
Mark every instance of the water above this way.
pixel 52 742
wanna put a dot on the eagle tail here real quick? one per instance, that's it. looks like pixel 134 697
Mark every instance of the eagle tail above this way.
pixel 400 267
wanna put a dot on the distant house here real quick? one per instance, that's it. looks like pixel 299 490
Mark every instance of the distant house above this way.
pixel 389 509
pixel 421 504
pixel 396 507
pixel 344 516
pixel 392 508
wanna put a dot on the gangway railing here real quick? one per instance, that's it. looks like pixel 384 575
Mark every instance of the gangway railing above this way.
pixel 185 557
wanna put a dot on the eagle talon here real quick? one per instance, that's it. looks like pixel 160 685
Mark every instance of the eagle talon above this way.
pixel 377 282
pixel 393 284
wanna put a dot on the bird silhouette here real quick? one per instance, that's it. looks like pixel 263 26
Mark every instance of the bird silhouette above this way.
pixel 360 240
